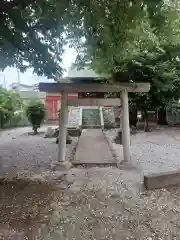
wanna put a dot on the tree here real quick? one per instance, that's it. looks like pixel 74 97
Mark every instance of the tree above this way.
pixel 134 41
pixel 7 106
pixel 34 32
pixel 161 69
pixel 35 113
pixel 16 99
pixel 112 32
pixel 31 35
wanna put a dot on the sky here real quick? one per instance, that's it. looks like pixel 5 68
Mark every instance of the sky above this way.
pixel 10 75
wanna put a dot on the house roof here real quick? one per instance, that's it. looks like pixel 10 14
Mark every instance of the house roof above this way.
pixel 32 95
pixel 16 85
pixel 85 73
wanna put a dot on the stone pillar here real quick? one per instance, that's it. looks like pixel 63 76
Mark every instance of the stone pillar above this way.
pixel 121 114
pixel 125 125
pixel 63 120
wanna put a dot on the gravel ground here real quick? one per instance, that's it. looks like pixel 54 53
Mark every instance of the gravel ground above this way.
pixel 89 214
pixel 21 153
pixel 153 152
pixel 108 203
pixel 100 203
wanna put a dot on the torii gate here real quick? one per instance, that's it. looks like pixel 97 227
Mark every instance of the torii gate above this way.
pixel 65 87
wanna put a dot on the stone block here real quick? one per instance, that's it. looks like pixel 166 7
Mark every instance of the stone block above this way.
pixel 109 118
pixel 68 140
pixel 74 117
pixel 162 180
pixel 76 132
pixel 51 132
pixel 118 138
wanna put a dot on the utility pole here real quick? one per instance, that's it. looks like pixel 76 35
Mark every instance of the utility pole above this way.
pixel 22 110
pixel 5 82
pixel 18 76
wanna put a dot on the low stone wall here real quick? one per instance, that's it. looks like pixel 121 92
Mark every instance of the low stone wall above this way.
pixel 162 180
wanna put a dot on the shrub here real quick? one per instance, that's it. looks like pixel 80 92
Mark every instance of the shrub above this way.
pixel 35 113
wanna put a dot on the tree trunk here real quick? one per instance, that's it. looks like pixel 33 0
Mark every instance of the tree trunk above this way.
pixel 162 117
pixel 133 117
pixel 146 122
pixel 35 130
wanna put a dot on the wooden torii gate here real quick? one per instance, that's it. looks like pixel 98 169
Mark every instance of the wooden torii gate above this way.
pixel 64 88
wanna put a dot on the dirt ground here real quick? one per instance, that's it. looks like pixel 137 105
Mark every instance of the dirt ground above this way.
pixel 87 203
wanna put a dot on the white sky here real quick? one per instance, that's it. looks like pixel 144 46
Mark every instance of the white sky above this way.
pixel 10 75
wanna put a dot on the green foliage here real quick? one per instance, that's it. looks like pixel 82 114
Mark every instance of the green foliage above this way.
pixel 9 103
pixel 130 40
pixel 133 41
pixel 112 32
pixel 35 113
pixel 174 107
pixel 104 32
pixel 31 35
pixel 161 69
pixel 17 101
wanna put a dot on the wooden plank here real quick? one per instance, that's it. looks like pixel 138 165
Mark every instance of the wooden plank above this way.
pixel 93 87
pixel 162 180
pixel 94 102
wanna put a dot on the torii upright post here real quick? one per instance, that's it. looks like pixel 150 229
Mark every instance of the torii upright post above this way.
pixel 63 119
pixel 125 125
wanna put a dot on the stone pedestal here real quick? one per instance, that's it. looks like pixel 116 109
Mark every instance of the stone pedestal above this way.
pixel 68 140
pixel 61 165
pixel 119 139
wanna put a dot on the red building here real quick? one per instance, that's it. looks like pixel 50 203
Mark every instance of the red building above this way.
pixel 53 104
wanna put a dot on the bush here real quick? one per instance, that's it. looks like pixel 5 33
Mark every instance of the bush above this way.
pixel 35 113
pixel 5 116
